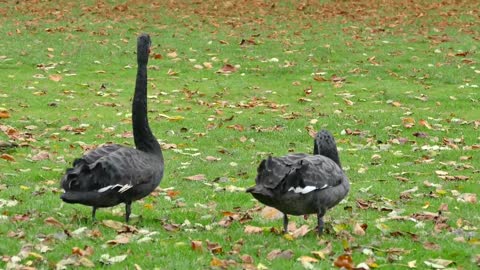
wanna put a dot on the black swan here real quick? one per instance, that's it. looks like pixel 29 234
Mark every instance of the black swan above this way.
pixel 114 174
pixel 299 184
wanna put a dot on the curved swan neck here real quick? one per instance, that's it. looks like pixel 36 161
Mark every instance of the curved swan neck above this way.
pixel 142 135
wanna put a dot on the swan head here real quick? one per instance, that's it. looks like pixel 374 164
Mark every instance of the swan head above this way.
pixel 143 48
pixel 326 146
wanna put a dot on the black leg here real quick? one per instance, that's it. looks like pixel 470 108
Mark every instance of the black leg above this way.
pixel 94 210
pixel 128 210
pixel 320 221
pixel 285 223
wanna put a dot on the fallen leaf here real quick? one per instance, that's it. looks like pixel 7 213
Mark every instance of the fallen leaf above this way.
pixel 307 261
pixel 116 225
pixel 4 113
pixel 271 213
pixel 431 246
pixel 52 221
pixel 42 155
pixel 278 253
pixel 252 229
pixel 358 229
pixel 300 232
pixel 227 69
pixel 106 259
pixel 215 248
pixel 119 240
pixel 344 261
pixel 55 77
pixel 197 177
pixel 197 245
pixel 215 262
pixel 7 157
pixel 87 251
pixel 438 263
pixel 323 253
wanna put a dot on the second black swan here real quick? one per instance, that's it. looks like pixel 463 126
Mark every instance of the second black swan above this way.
pixel 299 184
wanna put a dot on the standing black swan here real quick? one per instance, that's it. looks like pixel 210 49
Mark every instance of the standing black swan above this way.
pixel 299 184
pixel 114 174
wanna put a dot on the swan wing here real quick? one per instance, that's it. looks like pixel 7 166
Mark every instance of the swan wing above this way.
pixel 313 173
pixel 120 168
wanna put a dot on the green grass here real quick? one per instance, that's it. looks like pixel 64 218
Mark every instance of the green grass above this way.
pixel 410 64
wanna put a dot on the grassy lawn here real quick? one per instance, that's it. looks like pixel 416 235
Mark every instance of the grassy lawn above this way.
pixel 229 83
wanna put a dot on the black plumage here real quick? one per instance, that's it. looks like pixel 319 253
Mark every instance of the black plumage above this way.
pixel 114 174
pixel 299 184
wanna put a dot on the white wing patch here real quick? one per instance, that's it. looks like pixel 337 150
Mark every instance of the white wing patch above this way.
pixel 306 189
pixel 122 189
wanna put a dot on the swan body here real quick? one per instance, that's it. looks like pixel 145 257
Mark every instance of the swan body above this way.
pixel 299 184
pixel 114 174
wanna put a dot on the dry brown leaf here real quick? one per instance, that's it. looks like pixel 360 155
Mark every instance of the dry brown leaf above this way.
pixel 323 253
pixel 4 113
pixel 7 157
pixel 431 246
pixel 396 104
pixel 271 213
pixel 55 77
pixel 197 245
pixel 358 229
pixel 197 177
pixel 116 225
pixel 42 155
pixel 119 240
pixel 344 261
pixel 218 263
pixel 87 251
pixel 52 221
pixel 348 102
pixel 172 54
pixel 278 253
pixel 211 158
pixel 299 232
pixel 252 229
pixel 215 248
pixel 227 69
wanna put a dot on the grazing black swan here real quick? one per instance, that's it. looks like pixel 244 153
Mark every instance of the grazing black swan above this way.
pixel 114 174
pixel 299 184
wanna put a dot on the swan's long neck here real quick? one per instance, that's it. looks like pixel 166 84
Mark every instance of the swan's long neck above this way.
pixel 325 145
pixel 142 135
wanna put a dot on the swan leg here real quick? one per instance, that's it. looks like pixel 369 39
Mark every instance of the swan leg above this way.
pixel 320 221
pixel 285 223
pixel 94 210
pixel 128 211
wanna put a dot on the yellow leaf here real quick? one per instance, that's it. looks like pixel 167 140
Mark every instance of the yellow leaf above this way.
pixel 172 118
pixel 24 187
pixel 288 236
